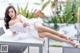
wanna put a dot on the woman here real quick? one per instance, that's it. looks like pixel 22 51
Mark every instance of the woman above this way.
pixel 22 29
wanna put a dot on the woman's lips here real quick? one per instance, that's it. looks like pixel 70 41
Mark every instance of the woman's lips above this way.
pixel 11 15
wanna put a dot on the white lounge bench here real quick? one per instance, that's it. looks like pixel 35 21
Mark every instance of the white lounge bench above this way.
pixel 34 42
pixel 26 42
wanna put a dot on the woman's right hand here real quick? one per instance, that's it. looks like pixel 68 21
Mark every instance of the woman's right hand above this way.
pixel 14 33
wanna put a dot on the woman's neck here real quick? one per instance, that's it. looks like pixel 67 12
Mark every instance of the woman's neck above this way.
pixel 13 18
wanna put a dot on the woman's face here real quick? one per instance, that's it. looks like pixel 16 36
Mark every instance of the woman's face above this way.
pixel 11 13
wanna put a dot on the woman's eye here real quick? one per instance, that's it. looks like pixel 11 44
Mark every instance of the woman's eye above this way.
pixel 12 11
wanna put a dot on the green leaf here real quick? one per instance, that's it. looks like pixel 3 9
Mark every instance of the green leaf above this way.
pixel 37 3
pixel 45 4
pixel 26 7
pixel 54 3
pixel 42 0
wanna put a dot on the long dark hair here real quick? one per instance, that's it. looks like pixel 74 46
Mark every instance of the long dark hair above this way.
pixel 7 17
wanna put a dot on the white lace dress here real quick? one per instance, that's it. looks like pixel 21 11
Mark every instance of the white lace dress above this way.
pixel 23 32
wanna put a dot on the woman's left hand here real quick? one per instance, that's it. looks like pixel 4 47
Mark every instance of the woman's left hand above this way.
pixel 25 24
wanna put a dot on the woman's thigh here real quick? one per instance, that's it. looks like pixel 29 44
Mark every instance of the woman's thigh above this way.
pixel 44 34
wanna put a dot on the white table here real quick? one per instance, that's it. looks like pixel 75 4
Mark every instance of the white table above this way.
pixel 27 42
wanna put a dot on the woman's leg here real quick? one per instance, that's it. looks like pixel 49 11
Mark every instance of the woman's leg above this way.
pixel 47 29
pixel 54 37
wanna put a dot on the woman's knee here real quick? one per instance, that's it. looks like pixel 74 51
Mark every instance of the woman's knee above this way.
pixel 44 34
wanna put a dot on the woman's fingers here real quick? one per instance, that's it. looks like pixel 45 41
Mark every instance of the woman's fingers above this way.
pixel 24 24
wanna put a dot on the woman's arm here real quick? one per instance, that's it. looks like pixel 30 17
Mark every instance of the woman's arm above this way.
pixel 22 20
pixel 24 23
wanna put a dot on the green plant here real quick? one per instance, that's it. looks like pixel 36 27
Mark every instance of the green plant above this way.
pixel 78 11
pixel 55 46
pixel 25 12
pixel 71 12
pixel 43 5
pixel 53 3
pixel 68 16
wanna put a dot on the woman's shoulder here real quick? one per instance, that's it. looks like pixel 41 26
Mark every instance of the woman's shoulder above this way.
pixel 11 22
pixel 22 17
